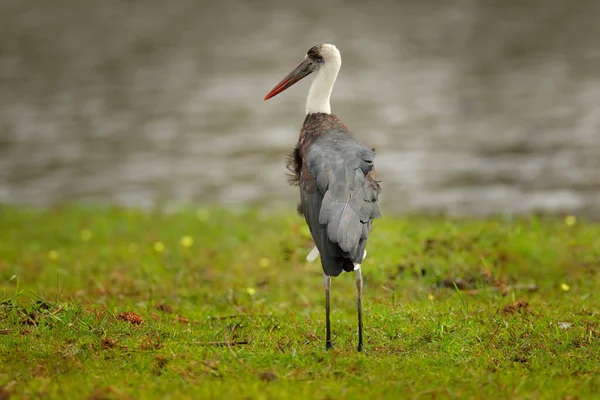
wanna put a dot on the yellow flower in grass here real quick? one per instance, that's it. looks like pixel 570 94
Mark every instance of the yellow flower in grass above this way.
pixel 570 220
pixel 86 235
pixel 186 241
pixel 264 262
pixel 53 255
pixel 565 287
pixel 159 246
pixel 430 297
pixel 251 291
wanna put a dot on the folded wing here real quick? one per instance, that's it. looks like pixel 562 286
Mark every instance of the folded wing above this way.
pixel 339 199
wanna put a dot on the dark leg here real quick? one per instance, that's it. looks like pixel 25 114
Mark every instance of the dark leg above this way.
pixel 327 280
pixel 359 304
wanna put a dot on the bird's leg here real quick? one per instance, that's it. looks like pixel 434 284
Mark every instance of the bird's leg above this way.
pixel 359 305
pixel 327 281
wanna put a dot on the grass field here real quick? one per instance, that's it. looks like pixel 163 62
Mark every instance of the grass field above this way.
pixel 102 303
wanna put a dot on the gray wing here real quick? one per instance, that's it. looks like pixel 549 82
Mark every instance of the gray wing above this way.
pixel 340 199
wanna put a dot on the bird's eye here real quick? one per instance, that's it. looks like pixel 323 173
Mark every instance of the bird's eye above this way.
pixel 320 60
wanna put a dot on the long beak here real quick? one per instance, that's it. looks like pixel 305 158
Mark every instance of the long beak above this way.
pixel 305 68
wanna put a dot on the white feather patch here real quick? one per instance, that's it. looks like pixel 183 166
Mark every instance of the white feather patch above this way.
pixel 357 266
pixel 312 256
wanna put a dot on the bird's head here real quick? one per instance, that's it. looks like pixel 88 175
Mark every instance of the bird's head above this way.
pixel 316 58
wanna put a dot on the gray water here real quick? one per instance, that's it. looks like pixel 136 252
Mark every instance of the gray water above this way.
pixel 474 107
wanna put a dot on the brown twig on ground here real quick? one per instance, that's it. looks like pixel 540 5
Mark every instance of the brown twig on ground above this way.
pixel 519 306
pixel 228 343
pixel 223 344
pixel 527 287
pixel 241 316
pixel 130 317
pixel 59 309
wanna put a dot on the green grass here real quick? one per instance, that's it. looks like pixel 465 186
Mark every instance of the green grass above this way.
pixel 453 308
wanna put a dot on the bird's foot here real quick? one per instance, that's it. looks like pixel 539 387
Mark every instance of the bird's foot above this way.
pixel 328 345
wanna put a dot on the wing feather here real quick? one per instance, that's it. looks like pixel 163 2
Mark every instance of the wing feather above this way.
pixel 341 195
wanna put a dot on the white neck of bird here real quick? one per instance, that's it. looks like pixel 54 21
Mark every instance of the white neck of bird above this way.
pixel 320 90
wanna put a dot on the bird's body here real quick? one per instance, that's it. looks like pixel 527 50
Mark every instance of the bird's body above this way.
pixel 338 192
pixel 335 173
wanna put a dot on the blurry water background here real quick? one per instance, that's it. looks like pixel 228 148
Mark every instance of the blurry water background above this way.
pixel 474 107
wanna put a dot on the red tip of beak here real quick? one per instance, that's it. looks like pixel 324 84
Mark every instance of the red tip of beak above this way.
pixel 280 87
pixel 297 74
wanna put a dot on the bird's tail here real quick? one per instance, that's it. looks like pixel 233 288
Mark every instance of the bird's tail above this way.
pixel 333 266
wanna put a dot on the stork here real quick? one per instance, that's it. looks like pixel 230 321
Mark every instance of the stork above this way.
pixel 338 190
